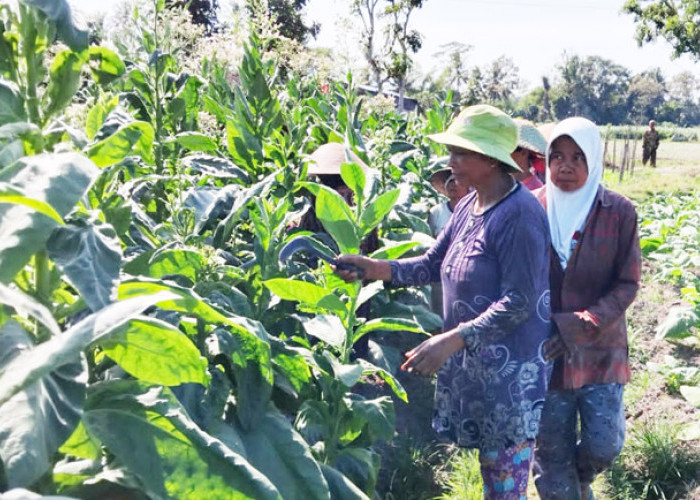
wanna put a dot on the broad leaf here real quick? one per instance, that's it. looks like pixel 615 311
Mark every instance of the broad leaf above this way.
pixel 58 180
pixel 326 327
pixel 106 66
pixel 677 323
pixel 360 465
pixel 214 166
pixel 13 196
pixel 376 414
pixel 189 263
pixel 387 324
pixel 25 304
pixel 151 434
pixel 394 250
pixel 252 366
pixel 90 256
pixel 370 369
pixel 276 449
pixel 297 290
pixel 341 488
pixel 11 105
pixel 155 351
pixel 73 33
pixel 65 81
pixel 354 178
pixel 36 420
pixel 337 219
pixel 375 211
pixel 195 141
pixel 35 363
pixel 136 138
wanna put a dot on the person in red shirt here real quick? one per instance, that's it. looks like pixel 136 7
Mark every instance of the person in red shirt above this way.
pixel 531 146
pixel 595 270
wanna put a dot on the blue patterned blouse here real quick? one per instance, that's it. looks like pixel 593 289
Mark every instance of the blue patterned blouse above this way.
pixel 494 269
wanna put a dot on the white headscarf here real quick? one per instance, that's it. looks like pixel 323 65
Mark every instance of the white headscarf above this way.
pixel 567 211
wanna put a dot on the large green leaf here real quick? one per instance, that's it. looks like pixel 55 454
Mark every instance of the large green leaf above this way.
pixel 36 420
pixel 337 219
pixel 157 352
pixel 214 166
pixel 106 66
pixel 394 250
pixel 375 211
pixel 326 327
pixel 90 257
pixel 11 105
pixel 13 196
pixel 64 82
pixel 243 145
pixel 301 291
pixel 361 465
pixel 151 434
pixel 135 138
pixel 341 488
pixel 376 414
pixel 388 324
pixel 26 305
pixel 177 261
pixel 73 34
pixel 276 449
pixel 59 180
pixel 195 141
pixel 354 177
pixel 253 373
pixel 678 322
pixel 35 363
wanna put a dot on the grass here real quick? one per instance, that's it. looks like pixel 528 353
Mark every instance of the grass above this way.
pixel 654 464
pixel 678 169
pixel 464 479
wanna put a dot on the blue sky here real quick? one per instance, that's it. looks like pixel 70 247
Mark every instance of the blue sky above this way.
pixel 533 33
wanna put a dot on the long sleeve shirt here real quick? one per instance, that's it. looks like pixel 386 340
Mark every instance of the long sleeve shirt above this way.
pixel 494 272
pixel 601 279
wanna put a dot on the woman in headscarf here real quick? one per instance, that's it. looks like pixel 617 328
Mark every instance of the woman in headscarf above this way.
pixel 492 258
pixel 595 271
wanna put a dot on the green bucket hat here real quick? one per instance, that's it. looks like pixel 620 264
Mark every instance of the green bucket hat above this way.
pixel 483 129
pixel 529 137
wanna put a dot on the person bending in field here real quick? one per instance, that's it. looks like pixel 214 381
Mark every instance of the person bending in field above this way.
pixel 492 258
pixel 650 143
pixel 595 270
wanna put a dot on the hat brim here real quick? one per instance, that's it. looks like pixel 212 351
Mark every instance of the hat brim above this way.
pixel 449 139
pixel 438 180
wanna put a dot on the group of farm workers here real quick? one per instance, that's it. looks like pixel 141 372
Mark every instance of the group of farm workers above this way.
pixel 533 356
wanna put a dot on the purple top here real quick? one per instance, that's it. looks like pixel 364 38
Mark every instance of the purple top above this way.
pixel 494 269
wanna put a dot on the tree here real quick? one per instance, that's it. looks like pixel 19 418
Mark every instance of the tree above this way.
pixel 202 12
pixel 367 10
pixel 681 90
pixel 500 81
pixel 593 87
pixel 456 74
pixel 646 95
pixel 287 15
pixel 677 21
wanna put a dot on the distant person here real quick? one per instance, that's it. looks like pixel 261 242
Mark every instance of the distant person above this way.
pixel 492 259
pixel 531 146
pixel 650 143
pixel 595 269
pixel 444 183
pixel 540 164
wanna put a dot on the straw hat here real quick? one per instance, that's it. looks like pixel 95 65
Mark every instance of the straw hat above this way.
pixel 483 129
pixel 439 180
pixel 328 158
pixel 529 137
pixel 545 129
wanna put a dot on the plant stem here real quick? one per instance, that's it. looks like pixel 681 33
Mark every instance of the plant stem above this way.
pixel 29 32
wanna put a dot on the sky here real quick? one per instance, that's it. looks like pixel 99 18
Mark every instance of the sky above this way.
pixel 535 34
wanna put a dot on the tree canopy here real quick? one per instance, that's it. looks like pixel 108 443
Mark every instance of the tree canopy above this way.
pixel 676 21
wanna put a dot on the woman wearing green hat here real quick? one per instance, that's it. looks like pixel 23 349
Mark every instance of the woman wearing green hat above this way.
pixel 531 146
pixel 492 259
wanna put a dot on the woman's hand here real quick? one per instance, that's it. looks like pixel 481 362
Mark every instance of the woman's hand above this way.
pixel 431 354
pixel 373 269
